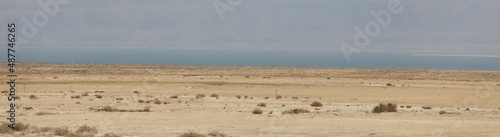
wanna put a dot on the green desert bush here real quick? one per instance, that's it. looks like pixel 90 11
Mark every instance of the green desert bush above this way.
pixel 385 108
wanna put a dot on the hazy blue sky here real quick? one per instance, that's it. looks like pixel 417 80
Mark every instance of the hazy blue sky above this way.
pixel 452 26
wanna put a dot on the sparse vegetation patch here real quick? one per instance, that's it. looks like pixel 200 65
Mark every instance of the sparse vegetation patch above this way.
pixel 385 108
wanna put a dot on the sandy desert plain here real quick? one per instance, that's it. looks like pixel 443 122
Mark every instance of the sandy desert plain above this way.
pixel 73 99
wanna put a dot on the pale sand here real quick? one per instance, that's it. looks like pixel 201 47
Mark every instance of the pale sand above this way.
pixel 348 98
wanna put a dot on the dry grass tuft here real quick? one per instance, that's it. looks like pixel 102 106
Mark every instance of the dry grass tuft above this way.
pixel 279 97
pixel 385 108
pixel 316 104
pixel 192 134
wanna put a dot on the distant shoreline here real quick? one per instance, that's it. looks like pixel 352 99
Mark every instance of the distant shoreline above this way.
pixel 457 55
pixel 138 65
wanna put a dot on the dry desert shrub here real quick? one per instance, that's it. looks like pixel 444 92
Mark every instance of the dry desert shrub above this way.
pixel 238 96
pixel 174 97
pixel 119 98
pixel 442 112
pixel 217 134
pixel 257 111
pixel 33 97
pixel 136 92
pixel 21 127
pixel 296 98
pixel 157 101
pixel 279 97
pixel 5 91
pixel 316 104
pixel 61 131
pixel 141 101
pixel 45 129
pixel 200 96
pixel 84 131
pixel 17 97
pixel 77 96
pixel 246 96
pixel 98 96
pixel 111 135
pixel 295 111
pixel 214 95
pixel 426 107
pixel 266 97
pixel 385 108
pixel 85 94
pixel 261 104
pixel 4 128
pixel 192 134
pixel 44 113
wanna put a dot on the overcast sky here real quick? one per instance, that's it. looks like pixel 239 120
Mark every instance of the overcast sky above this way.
pixel 451 26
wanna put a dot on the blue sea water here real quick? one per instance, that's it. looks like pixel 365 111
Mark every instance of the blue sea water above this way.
pixel 254 58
